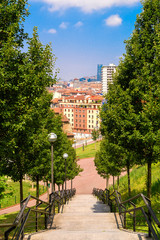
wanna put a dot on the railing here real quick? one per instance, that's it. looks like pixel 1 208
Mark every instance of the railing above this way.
pixel 38 217
pixel 141 218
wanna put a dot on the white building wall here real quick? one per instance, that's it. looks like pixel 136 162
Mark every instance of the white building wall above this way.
pixel 107 72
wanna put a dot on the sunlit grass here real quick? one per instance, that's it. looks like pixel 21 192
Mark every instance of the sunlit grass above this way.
pixel 89 150
pixel 138 185
pixel 12 193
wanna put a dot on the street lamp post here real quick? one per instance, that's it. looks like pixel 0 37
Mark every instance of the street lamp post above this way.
pixel 52 139
pixel 76 158
pixel 65 156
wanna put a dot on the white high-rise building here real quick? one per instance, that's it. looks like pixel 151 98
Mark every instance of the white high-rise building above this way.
pixel 107 76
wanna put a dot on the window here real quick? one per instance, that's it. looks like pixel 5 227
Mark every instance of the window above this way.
pixel 89 126
pixel 72 124
pixel 79 115
pixel 76 125
pixel 76 115
pixel 89 111
pixel 92 121
pixel 89 116
pixel 79 125
pixel 72 115
pixel 80 120
pixel 83 115
pixel 65 110
pixel 68 110
pixel 79 110
pixel 83 126
pixel 83 111
pixel 92 126
pixel 83 121
pixel 89 121
pixel 72 120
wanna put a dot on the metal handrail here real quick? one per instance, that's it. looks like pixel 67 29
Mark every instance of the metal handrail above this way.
pixel 116 197
pixel 18 225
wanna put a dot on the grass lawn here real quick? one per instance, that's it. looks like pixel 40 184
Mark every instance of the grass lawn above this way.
pixel 30 225
pixel 138 185
pixel 89 151
pixel 12 193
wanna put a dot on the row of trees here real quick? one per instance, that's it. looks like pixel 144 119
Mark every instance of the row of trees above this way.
pixel 131 115
pixel 25 116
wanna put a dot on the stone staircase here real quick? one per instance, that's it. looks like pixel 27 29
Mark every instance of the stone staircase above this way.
pixel 86 218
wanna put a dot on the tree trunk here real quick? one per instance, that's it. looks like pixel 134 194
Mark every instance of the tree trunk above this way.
pixel 71 184
pixel 118 183
pixel 47 190
pixel 129 185
pixel 113 182
pixel 149 180
pixel 37 188
pixel 107 182
pixel 21 190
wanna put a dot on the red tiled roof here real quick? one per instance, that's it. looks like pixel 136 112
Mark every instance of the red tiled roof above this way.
pixel 55 100
pixel 64 119
pixel 57 110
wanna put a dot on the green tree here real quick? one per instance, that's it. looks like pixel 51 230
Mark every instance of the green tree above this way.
pixel 24 77
pixel 118 125
pixel 12 16
pixel 95 135
pixel 108 159
pixel 142 55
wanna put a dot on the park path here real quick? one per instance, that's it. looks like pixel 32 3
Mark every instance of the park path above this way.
pixel 84 183
pixel 85 218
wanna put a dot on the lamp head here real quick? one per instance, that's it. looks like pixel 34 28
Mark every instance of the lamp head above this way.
pixel 52 137
pixel 65 155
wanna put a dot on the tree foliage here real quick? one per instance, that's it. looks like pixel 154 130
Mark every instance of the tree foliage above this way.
pixel 130 117
pixel 25 116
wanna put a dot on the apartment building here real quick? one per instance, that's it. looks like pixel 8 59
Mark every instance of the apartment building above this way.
pixel 82 112
pixel 107 77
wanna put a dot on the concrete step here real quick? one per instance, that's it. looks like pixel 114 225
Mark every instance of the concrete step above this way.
pixel 85 218
pixel 86 235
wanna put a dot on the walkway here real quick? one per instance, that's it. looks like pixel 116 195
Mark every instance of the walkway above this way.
pixel 85 218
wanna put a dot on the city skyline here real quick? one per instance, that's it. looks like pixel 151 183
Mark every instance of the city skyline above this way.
pixel 83 33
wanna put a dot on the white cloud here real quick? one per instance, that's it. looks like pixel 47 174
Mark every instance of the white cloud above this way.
pixel 63 25
pixel 86 5
pixel 113 20
pixel 79 24
pixel 52 31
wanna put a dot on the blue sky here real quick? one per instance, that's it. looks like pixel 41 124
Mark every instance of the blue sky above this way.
pixel 83 33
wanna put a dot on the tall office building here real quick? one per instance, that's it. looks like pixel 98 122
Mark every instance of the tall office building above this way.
pixel 107 76
pixel 99 72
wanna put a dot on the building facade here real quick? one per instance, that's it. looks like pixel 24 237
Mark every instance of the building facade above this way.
pixel 99 72
pixel 107 77
pixel 82 112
